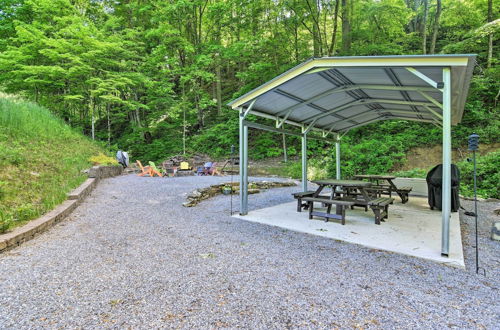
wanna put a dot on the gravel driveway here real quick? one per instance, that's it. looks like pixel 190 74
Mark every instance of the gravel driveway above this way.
pixel 132 257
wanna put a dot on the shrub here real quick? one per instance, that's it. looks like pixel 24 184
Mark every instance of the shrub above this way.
pixel 293 170
pixel 102 159
pixel 5 222
pixel 316 170
pixel 488 176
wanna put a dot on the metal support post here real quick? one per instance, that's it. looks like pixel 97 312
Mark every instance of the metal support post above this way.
pixel 243 178
pixel 304 161
pixel 337 157
pixel 446 190
pixel 244 191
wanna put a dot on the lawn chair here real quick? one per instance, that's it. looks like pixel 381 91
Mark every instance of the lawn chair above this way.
pixel 145 170
pixel 154 170
pixel 210 169
pixel 224 166
pixel 171 171
pixel 184 166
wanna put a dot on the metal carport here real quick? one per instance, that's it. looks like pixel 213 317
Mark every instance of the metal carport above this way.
pixel 332 95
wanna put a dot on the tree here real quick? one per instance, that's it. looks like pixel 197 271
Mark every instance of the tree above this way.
pixel 153 76
pixel 435 27
pixel 346 27
pixel 490 36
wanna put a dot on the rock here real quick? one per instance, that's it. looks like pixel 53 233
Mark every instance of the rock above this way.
pixel 198 195
pixel 195 194
pixel 495 231
pixel 102 172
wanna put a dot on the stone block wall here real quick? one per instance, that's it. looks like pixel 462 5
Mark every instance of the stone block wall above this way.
pixel 24 233
pixel 103 172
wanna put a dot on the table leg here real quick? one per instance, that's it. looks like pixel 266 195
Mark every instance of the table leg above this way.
pixel 366 198
pixel 393 187
pixel 338 208
pixel 318 191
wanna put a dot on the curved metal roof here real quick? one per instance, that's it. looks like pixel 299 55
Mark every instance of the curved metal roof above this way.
pixel 335 94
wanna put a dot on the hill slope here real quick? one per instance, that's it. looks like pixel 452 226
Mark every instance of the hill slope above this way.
pixel 41 159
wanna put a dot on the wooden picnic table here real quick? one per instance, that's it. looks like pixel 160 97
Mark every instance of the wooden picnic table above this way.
pixel 350 189
pixel 388 188
pixel 347 193
pixel 342 196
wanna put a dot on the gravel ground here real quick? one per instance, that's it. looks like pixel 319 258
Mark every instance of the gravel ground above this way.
pixel 132 257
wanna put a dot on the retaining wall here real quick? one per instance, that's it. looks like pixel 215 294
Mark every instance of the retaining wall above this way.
pixel 24 233
pixel 419 185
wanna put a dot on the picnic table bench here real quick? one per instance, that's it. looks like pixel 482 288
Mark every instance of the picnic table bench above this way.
pixel 341 205
pixel 344 194
pixel 299 196
pixel 380 206
pixel 386 189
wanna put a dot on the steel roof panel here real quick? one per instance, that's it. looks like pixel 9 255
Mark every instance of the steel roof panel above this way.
pixel 365 75
pixel 376 77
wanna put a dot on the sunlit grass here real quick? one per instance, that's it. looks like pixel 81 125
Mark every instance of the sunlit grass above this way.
pixel 41 160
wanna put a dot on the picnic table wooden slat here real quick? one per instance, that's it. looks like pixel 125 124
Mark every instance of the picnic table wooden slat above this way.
pixel 402 192
pixel 343 183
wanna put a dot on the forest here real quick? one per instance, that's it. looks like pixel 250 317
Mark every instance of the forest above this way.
pixel 154 77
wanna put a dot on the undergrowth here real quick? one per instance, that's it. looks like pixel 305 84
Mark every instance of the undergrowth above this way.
pixel 488 175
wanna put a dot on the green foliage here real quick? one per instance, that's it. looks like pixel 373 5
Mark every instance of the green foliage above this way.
pixel 488 176
pixel 372 156
pixel 102 159
pixel 152 77
pixel 264 145
pixel 293 170
pixel 41 160
pixel 217 140
pixel 5 222
pixel 316 170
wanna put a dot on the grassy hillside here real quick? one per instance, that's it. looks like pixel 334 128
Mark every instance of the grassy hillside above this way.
pixel 41 159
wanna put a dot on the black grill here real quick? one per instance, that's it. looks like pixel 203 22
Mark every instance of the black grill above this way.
pixel 434 186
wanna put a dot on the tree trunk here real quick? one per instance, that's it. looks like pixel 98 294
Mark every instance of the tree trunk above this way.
pixel 184 131
pixel 416 5
pixel 315 28
pixel 109 125
pixel 285 157
pixel 435 27
pixel 331 51
pixel 490 36
pixel 296 40
pixel 346 27
pixel 92 108
pixel 218 87
pixel 137 113
pixel 424 27
pixel 199 111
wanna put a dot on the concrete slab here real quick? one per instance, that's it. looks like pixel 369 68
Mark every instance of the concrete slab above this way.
pixel 411 229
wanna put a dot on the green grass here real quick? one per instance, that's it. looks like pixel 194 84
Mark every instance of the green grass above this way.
pixel 41 160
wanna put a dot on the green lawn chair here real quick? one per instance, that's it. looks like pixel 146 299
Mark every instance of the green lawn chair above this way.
pixel 155 170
